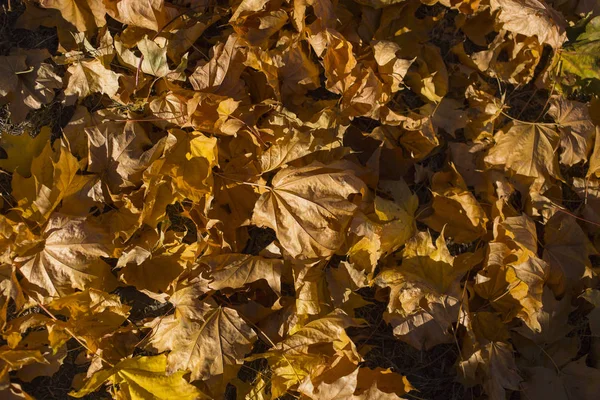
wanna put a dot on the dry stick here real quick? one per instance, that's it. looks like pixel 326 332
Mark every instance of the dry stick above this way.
pixel 527 103
pixel 575 216
pixel 527 122
pixel 558 66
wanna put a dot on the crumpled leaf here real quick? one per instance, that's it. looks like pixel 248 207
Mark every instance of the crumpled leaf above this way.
pixel 532 18
pixel 455 208
pixel 424 292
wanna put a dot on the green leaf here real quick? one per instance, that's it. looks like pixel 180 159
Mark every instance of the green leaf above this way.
pixel 580 60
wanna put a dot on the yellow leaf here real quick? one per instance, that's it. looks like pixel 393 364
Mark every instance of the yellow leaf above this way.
pixel 22 149
pixel 54 177
pixel 425 292
pixel 188 161
pixel 142 378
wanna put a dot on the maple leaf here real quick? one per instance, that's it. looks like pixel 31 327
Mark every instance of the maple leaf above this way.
pixel 27 82
pixel 53 178
pixel 91 76
pixel 532 18
pixel 574 380
pixel 579 58
pixel 221 75
pixel 237 270
pixel 526 149
pixel 84 15
pixel 388 228
pixel 137 379
pixel 119 158
pixel 553 320
pixel 495 364
pixel 328 123
pixel 295 146
pixel 153 60
pixel 67 258
pixel 308 208
pixel 212 346
pixel 576 128
pixel 294 358
pixel 91 314
pixel 567 250
pixel 147 14
pixel 188 160
pixel 513 277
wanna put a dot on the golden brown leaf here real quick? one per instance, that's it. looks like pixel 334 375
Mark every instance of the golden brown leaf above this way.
pixel 68 258
pixel 309 208
pixel 210 347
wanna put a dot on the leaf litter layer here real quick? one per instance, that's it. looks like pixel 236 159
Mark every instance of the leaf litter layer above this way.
pixel 303 199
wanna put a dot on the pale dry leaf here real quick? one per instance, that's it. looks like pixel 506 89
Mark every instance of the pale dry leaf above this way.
pixel 68 258
pixel 532 18
pixel 309 208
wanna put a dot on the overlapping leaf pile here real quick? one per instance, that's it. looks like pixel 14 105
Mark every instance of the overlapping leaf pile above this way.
pixel 289 180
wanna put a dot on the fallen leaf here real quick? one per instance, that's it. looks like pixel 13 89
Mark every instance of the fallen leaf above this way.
pixel 308 208
pixel 137 378
pixel 68 258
